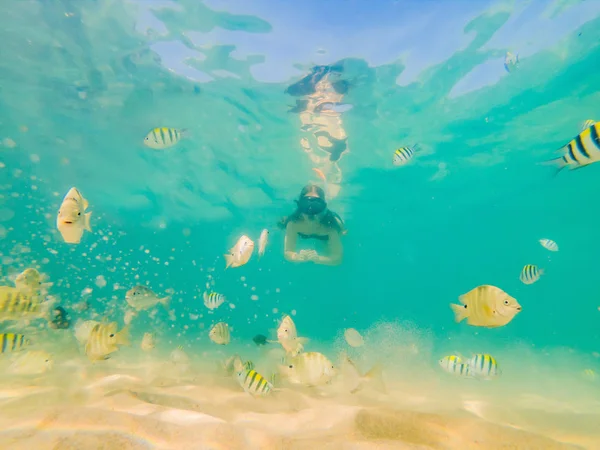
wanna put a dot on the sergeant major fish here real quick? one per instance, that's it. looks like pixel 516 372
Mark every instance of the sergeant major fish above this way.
pixel 212 300
pixel 530 274
pixel 549 244
pixel 17 305
pixel 72 219
pixel 486 306
pixel 11 342
pixel 219 334
pixel 484 366
pixel 581 151
pixel 104 340
pixel 161 138
pixel 404 155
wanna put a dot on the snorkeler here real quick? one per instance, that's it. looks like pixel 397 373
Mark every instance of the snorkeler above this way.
pixel 312 220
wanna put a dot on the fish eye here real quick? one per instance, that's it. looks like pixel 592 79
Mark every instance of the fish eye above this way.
pixel 78 213
pixel 291 367
pixel 506 302
pixel 112 335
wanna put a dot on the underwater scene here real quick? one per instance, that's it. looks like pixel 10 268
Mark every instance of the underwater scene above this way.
pixel 263 225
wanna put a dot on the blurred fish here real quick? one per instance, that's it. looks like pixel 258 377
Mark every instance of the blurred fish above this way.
pixel 179 356
pixel 586 124
pixel 11 342
pixel 72 219
pixel 354 381
pixel 549 244
pixel 213 300
pixel 511 62
pixel 16 305
pixel 486 306
pixel 81 306
pixel 589 374
pixel 219 334
pixel 33 362
pixel 148 342
pixel 454 365
pixel 582 151
pixel 484 366
pixel 309 369
pixel 403 155
pixel 104 340
pixel 353 338
pixel 260 339
pixel 232 365
pixel 162 137
pixel 141 298
pixel 530 274
pixel 287 336
pixel 240 253
pixel 129 316
pixel 60 320
pixel 253 382
pixel 262 242
pixel 248 365
pixel 83 329
pixel 30 282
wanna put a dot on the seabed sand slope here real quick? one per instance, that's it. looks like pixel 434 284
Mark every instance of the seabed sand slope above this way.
pixel 159 406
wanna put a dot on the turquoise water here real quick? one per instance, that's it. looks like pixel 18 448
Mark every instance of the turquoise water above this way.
pixel 82 85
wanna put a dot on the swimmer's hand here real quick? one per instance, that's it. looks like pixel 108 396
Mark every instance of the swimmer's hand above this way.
pixel 308 255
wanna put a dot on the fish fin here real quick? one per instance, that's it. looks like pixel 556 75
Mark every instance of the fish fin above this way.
pixel 272 342
pixel 87 218
pixel 460 312
pixel 558 163
pixel 228 260
pixel 302 341
pixel 416 146
pixel 165 301
pixel 462 299
pixel 123 336
pixel 374 378
pixel 184 133
pixel 85 203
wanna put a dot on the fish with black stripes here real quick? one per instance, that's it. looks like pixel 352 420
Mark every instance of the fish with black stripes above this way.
pixel 530 274
pixel 18 305
pixel 161 138
pixel 484 366
pixel 581 151
pixel 13 342
pixel 404 155
pixel 254 383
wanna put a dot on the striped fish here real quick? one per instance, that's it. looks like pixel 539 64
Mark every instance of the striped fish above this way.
pixel 581 151
pixel 163 137
pixel 11 342
pixel 586 124
pixel 213 300
pixel 484 366
pixel 219 334
pixel 403 155
pixel 530 274
pixel 19 305
pixel 248 365
pixel 451 363
pixel 549 244
pixel 254 383
pixel 104 340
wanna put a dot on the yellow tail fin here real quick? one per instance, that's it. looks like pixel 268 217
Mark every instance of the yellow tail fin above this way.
pixel 460 312
pixel 374 378
pixel 228 260
pixel 123 337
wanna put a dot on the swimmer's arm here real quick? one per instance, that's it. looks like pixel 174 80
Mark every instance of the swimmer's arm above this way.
pixel 291 236
pixel 334 250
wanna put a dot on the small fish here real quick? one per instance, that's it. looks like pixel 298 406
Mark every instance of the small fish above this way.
pixel 179 356
pixel 287 336
pixel 582 151
pixel 30 282
pixel 253 382
pixel 511 62
pixel 83 329
pixel 262 242
pixel 260 339
pixel 104 340
pixel 11 342
pixel 309 369
pixel 486 306
pixel 141 298
pixel 212 300
pixel 219 334
pixel 33 362
pixel 353 338
pixel 354 381
pixel 589 374
pixel 129 315
pixel 163 137
pixel 453 364
pixel 586 124
pixel 148 342
pixel 72 219
pixel 240 253
pixel 16 305
pixel 484 366
pixel 232 365
pixel 403 155
pixel 549 244
pixel 530 274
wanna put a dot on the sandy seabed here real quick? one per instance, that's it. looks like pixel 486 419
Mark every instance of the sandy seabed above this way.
pixel 158 405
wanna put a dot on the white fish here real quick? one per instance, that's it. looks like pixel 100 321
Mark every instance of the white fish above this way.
pixel 354 381
pixel 148 342
pixel 287 336
pixel 219 334
pixel 213 300
pixel 484 366
pixel 33 362
pixel 253 382
pixel 454 365
pixel 353 338
pixel 404 155
pixel 72 219
pixel 240 253
pixel 549 244
pixel 161 138
pixel 530 274
pixel 511 62
pixel 309 369
pixel 262 242
pixel 141 298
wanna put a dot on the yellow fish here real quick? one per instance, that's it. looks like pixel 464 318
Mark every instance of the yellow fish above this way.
pixel 17 305
pixel 33 362
pixel 582 151
pixel 486 306
pixel 310 369
pixel 163 137
pixel 11 342
pixel 219 334
pixel 104 340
